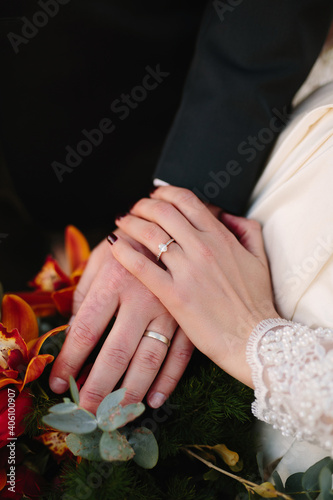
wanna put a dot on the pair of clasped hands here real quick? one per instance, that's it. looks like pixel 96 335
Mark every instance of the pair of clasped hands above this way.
pixel 209 290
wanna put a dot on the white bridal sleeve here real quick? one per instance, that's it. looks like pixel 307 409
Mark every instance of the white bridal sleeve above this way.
pixel 292 371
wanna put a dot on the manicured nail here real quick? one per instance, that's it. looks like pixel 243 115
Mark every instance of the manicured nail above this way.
pixel 58 385
pixel 156 400
pixel 121 215
pixel 112 238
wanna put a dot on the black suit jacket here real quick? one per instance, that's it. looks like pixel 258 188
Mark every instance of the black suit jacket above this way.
pixel 251 58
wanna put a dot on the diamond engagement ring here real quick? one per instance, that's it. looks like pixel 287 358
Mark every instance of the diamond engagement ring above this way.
pixel 157 336
pixel 163 247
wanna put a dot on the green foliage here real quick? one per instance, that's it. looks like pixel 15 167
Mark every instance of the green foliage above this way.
pixel 110 401
pixel 117 416
pixel 325 483
pixel 103 480
pixel 42 403
pixel 180 488
pixel 63 408
pixel 97 438
pixel 74 390
pixel 208 407
pixel 85 445
pixel 145 447
pixel 114 446
pixel 78 420
pixel 313 484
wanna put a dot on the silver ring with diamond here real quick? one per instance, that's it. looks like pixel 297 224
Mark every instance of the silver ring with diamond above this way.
pixel 163 247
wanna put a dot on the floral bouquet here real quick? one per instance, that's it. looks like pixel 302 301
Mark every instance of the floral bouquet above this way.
pixel 51 447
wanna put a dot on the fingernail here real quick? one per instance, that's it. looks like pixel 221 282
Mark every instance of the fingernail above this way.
pixel 71 321
pixel 58 385
pixel 121 215
pixel 112 238
pixel 156 400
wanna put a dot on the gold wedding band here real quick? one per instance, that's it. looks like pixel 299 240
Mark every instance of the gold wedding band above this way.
pixel 157 336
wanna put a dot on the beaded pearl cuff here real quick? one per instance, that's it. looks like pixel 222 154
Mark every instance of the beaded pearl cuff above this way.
pixel 292 371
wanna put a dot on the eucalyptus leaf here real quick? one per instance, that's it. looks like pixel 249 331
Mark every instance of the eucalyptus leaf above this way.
pixel 78 421
pixel 278 481
pixel 114 446
pixel 74 390
pixel 63 408
pixel 310 480
pixel 325 496
pixel 85 445
pixel 116 417
pixel 110 401
pixel 294 485
pixel 325 482
pixel 145 447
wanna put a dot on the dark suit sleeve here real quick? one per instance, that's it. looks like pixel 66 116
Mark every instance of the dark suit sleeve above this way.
pixel 251 58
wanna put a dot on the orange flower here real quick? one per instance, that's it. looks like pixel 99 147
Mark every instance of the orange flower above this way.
pixel 20 361
pixel 53 287
pixel 55 441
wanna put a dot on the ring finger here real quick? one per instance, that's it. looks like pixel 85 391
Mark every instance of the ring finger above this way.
pixel 148 358
pixel 151 235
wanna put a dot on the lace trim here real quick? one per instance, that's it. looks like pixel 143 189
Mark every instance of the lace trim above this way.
pixel 292 370
pixel 253 360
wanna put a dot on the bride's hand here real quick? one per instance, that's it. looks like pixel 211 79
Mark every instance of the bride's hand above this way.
pixel 216 281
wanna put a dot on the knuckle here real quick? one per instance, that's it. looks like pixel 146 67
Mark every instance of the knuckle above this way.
pixel 149 360
pixel 83 335
pixel 114 277
pixel 139 265
pixel 78 298
pixel 93 396
pixel 139 205
pixel 182 355
pixel 204 250
pixel 162 208
pixel 168 380
pixel 66 365
pixel 227 238
pixel 184 196
pixel 132 396
pixel 151 232
pixel 115 357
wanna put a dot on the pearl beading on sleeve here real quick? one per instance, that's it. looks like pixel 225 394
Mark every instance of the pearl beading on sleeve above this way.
pixel 292 371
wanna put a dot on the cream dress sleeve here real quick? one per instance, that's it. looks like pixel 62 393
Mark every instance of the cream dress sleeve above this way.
pixel 292 361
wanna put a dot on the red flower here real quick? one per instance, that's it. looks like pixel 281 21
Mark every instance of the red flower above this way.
pixel 53 287
pixel 27 482
pixel 20 361
pixel 14 406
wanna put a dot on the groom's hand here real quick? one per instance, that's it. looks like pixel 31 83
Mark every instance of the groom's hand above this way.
pixel 106 289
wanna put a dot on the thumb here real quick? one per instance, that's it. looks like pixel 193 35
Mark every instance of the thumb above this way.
pixel 248 232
